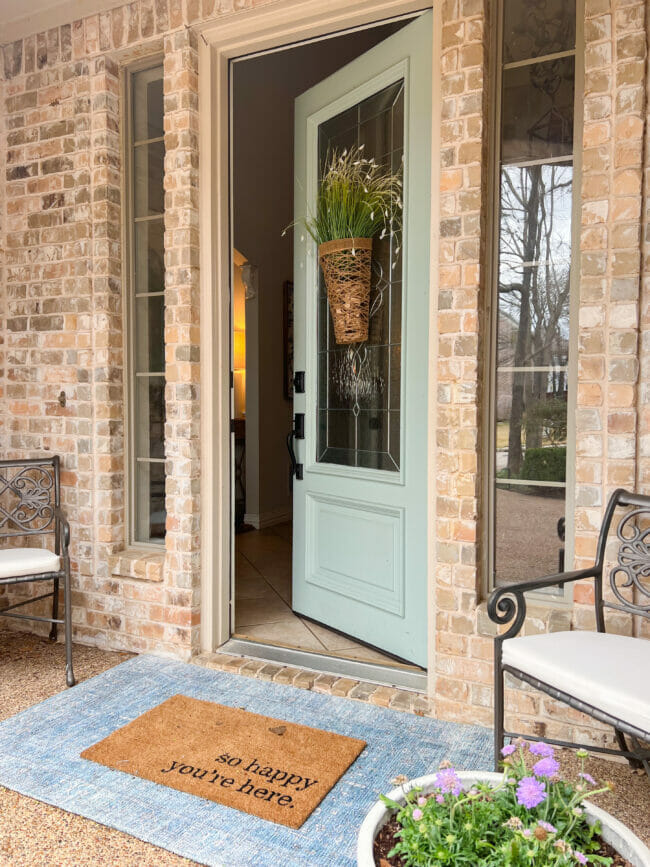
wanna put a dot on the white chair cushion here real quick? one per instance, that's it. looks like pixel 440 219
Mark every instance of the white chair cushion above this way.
pixel 606 671
pixel 15 562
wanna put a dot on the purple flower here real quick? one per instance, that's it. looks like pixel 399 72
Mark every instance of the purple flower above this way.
pixel 417 814
pixel 527 832
pixel 547 767
pixel 542 749
pixel 448 780
pixel 440 799
pixel 421 801
pixel 530 792
pixel 547 826
pixel 580 858
pixel 508 750
pixel 588 778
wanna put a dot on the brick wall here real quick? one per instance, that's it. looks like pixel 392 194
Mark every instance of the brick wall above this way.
pixel 61 291
pixel 463 672
pixel 62 311
pixel 613 446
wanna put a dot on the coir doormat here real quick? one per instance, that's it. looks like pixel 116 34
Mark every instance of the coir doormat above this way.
pixel 274 769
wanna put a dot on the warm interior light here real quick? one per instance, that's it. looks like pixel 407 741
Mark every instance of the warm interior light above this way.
pixel 239 336
pixel 239 350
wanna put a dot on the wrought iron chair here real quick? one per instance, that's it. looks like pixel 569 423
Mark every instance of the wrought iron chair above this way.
pixel 30 505
pixel 601 674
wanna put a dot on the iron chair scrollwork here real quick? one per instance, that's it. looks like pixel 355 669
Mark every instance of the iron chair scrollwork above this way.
pixel 598 673
pixel 30 506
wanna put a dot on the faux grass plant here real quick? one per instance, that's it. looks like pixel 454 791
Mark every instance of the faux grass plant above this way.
pixel 357 198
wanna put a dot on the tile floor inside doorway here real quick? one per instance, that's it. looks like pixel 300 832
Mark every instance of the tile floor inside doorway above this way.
pixel 263 599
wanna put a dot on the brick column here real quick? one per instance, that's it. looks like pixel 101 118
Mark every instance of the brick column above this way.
pixel 107 360
pixel 462 672
pixel 610 270
pixel 5 60
pixel 182 336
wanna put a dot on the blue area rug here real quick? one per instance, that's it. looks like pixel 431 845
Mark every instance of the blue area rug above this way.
pixel 40 750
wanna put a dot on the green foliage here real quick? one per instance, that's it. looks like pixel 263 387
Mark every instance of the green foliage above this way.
pixel 551 416
pixel 489 826
pixel 357 199
pixel 545 464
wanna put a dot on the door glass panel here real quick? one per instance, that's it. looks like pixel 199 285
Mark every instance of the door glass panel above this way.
pixel 359 384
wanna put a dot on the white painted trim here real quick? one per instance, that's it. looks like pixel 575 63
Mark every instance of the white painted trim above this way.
pixel 268 519
pixel 240 33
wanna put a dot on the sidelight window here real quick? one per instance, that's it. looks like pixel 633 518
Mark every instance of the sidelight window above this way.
pixel 146 279
pixel 532 388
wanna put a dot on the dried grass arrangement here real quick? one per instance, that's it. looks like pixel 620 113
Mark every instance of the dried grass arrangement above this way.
pixel 358 200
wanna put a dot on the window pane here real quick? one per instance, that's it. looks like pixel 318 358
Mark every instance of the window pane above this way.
pixel 149 416
pixel 148 104
pixel 148 165
pixel 150 501
pixel 149 256
pixel 535 29
pixel 527 542
pixel 531 424
pixel 537 111
pixel 149 334
pixel 534 266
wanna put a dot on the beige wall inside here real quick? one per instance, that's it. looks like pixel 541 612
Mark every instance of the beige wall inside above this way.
pixel 264 90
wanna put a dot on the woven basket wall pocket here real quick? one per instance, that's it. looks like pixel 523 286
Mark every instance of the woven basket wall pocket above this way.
pixel 346 265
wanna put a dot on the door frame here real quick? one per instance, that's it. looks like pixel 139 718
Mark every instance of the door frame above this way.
pixel 250 31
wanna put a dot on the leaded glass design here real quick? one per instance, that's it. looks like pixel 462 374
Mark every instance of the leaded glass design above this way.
pixel 531 384
pixel 359 386
pixel 147 306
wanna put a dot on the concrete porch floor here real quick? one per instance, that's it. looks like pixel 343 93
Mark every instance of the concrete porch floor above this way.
pixel 34 833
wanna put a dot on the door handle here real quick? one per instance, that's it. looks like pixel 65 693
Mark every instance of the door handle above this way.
pixel 296 432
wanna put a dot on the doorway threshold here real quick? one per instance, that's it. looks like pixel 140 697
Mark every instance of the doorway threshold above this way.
pixel 398 676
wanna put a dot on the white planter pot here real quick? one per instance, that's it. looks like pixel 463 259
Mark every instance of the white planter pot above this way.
pixel 613 831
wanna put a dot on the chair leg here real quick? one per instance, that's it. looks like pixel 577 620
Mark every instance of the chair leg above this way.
pixel 636 764
pixel 67 603
pixel 498 706
pixel 55 610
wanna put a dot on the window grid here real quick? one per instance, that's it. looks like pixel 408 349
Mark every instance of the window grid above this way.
pixel 145 326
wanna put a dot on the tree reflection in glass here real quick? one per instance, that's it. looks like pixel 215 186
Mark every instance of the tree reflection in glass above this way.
pixel 533 307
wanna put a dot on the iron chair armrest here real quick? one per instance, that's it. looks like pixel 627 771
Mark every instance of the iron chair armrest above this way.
pixel 64 530
pixel 509 603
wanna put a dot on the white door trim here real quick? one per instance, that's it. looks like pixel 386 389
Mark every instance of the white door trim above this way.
pixel 253 30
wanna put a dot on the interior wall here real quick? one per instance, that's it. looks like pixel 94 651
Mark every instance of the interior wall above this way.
pixel 264 89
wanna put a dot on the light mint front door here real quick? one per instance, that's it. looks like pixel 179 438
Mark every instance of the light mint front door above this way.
pixel 360 531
